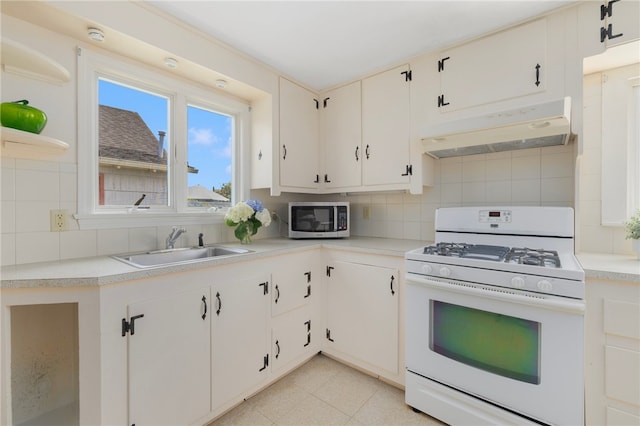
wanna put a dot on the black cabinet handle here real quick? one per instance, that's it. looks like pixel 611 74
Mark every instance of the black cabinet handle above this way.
pixel 131 325
pixel 204 301
pixel 324 102
pixel 278 349
pixel 317 179
pixel 408 170
pixel 265 289
pixel 219 303
pixel 284 152
pixel 317 103
pixel 308 274
pixel 308 340
pixel 308 325
pixel 391 285
pixel 537 82
pixel 326 178
pixel 265 362
pixel 308 291
pixel 367 152
pixel 277 294
pixel 357 153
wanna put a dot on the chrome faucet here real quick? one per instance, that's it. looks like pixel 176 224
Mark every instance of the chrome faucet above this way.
pixel 173 236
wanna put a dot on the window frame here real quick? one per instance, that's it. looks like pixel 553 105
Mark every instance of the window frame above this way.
pixel 91 66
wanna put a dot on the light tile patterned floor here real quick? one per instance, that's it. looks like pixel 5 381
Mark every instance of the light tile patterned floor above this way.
pixel 325 392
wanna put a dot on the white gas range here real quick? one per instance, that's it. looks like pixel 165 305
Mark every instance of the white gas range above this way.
pixel 495 318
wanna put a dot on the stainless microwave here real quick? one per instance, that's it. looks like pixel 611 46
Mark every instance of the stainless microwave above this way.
pixel 319 219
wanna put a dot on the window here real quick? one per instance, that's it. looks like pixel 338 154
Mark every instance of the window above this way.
pixel 153 149
pixel 620 144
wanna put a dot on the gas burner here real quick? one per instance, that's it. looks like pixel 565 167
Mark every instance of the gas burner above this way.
pixel 447 249
pixel 536 257
pixel 468 251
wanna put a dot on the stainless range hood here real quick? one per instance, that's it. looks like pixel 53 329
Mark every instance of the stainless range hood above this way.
pixel 533 126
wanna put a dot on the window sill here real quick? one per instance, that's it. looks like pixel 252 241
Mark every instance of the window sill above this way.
pixel 145 218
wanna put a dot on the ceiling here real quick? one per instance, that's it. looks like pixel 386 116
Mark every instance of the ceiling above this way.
pixel 325 43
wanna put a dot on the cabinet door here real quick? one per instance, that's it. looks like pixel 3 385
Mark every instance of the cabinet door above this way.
pixel 362 313
pixel 169 359
pixel 498 67
pixel 291 337
pixel 292 284
pixel 299 137
pixel 621 23
pixel 239 336
pixel 385 127
pixel 342 136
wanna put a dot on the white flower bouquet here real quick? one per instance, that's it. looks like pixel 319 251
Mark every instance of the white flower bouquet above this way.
pixel 247 217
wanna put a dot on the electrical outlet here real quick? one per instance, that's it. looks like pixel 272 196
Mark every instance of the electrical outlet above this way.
pixel 366 213
pixel 58 220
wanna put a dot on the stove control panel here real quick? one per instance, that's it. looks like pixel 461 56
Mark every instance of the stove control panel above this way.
pixel 494 216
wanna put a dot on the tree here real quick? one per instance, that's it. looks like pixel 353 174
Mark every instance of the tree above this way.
pixel 225 190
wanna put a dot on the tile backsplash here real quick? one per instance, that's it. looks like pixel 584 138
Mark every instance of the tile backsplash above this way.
pixel 30 189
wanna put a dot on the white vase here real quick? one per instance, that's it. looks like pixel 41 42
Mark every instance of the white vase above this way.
pixel 635 244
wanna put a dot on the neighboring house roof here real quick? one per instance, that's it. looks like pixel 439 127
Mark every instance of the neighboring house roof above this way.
pixel 125 136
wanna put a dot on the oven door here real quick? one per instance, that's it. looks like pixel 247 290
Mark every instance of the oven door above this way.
pixel 519 351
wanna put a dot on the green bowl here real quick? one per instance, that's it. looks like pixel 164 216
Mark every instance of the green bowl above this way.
pixel 19 115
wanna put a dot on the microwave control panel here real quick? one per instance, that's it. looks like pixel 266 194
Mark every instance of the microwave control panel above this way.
pixel 343 218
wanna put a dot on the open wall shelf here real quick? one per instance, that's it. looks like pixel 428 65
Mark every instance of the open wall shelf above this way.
pixel 20 59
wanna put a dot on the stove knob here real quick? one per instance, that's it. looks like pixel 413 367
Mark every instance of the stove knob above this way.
pixel 426 269
pixel 517 282
pixel 445 272
pixel 544 285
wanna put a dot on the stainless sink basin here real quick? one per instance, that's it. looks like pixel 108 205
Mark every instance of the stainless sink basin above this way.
pixel 175 256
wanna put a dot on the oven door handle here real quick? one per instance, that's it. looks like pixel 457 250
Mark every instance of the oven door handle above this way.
pixel 572 306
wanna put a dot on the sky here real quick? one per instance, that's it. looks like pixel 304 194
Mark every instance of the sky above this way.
pixel 209 134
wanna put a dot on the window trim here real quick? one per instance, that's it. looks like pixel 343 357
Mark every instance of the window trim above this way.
pixel 91 65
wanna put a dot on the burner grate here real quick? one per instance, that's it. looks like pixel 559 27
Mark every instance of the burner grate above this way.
pixel 536 257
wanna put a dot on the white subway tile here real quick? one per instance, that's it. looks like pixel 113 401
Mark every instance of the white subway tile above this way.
pixel 34 216
pixel 8 188
pixel 525 167
pixel 37 247
pixel 525 191
pixel 75 244
pixel 8 247
pixel 498 169
pixel 8 217
pixel 37 185
pixel 498 191
pixel 474 192
pixel 112 241
pixel 556 190
pixel 450 172
pixel 557 165
pixel 473 171
pixel 141 239
pixel 451 193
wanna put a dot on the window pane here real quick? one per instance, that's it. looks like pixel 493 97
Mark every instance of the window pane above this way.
pixel 133 146
pixel 210 142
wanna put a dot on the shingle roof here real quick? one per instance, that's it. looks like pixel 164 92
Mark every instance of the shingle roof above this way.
pixel 125 136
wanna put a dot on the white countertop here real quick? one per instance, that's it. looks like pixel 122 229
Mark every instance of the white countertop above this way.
pixel 102 270
pixel 610 266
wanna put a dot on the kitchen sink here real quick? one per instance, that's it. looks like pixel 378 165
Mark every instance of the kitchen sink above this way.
pixel 177 256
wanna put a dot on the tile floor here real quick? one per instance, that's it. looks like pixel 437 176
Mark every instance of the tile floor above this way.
pixel 326 392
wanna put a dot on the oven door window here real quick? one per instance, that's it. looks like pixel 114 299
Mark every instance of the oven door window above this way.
pixel 312 219
pixel 500 344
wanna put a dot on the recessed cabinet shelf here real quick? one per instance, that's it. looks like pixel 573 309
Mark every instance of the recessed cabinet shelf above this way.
pixel 19 144
pixel 22 60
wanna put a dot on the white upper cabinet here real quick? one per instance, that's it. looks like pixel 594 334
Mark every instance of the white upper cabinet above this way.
pixel 299 138
pixel 505 65
pixel 607 24
pixel 341 114
pixel 386 128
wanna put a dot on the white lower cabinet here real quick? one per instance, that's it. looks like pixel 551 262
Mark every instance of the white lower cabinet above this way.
pixel 612 352
pixel 362 315
pixel 239 335
pixel 291 338
pixel 169 358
